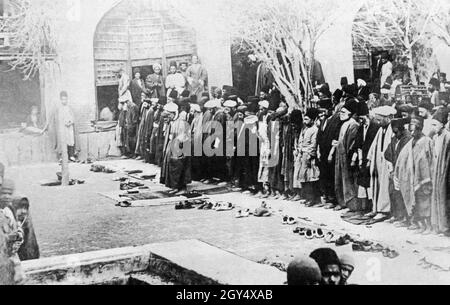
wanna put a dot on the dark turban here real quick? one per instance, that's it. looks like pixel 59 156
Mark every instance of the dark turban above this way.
pixel 435 82
pixel 338 94
pixel 303 271
pixel 296 118
pixel 185 93
pixel 351 105
pixel 325 104
pixel 344 81
pixel 325 257
pixel 441 115
pixel 312 113
pixel 426 105
pixel 400 123
pixel 173 94
pixel 162 100
pixel 363 109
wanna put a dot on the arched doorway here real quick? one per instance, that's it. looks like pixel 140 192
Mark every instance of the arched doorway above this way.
pixel 137 34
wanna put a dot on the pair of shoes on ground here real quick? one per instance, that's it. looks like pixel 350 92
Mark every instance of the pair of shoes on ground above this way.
pixel 222 207
pixel 289 220
pixel 309 233
pixel 242 214
pixel 186 205
pixel 124 204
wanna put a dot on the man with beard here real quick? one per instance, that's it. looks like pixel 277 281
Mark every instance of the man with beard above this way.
pixel 230 107
pixel 425 108
pixel 175 80
pixel 413 177
pixel 440 203
pixel 366 134
pixel 137 88
pixel 345 178
pixel 380 168
pixel 197 77
pixel 401 137
pixel 131 127
pixel 175 170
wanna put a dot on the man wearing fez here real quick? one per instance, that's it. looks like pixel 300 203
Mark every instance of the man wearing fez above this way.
pixel 434 87
pixel 345 177
pixel 440 202
pixel 367 132
pixel 413 177
pixel 157 137
pixel 401 137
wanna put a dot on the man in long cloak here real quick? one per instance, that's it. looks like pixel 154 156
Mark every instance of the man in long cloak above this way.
pixel 197 77
pixel 440 203
pixel 380 168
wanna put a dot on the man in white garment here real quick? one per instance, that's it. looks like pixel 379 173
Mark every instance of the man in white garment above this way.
pixel 380 168
pixel 175 80
pixel 425 108
pixel 386 69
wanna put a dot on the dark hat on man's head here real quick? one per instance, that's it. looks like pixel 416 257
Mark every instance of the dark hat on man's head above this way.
pixel 312 113
pixel 266 89
pixel 252 104
pixel 344 81
pixel 193 99
pixel 173 94
pixel 325 104
pixel 21 203
pixel 63 94
pixel 362 109
pixel 233 98
pixel 349 90
pixel 338 94
pixel 408 108
pixel 303 271
pixel 441 115
pixel 435 82
pixel 426 105
pixel 416 119
pixel 173 64
pixel 351 104
pixel 185 93
pixel 296 118
pixel 400 123
pixel 162 100
pixel 325 257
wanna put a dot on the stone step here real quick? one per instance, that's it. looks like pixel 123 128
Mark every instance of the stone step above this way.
pixel 189 262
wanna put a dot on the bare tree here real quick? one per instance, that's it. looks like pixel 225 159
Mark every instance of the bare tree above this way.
pixel 403 24
pixel 33 30
pixel 283 35
pixel 441 22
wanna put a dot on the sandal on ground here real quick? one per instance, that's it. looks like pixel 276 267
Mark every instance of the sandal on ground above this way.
pixel 319 234
pixel 330 238
pixel 238 214
pixel 285 220
pixel 309 234
pixel 291 221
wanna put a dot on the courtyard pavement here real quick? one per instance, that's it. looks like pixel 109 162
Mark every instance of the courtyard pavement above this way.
pixel 77 219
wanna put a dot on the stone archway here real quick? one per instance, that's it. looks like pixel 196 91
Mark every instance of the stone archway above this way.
pixel 137 33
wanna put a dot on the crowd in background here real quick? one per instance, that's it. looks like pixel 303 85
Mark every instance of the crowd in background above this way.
pixel 366 149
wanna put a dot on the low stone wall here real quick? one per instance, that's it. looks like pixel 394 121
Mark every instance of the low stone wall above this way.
pixel 17 149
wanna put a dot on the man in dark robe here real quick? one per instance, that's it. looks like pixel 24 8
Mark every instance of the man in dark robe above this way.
pixel 401 137
pixel 328 132
pixel 131 123
pixel 366 135
pixel 292 127
pixel 175 170
pixel 220 119
pixel 248 149
pixel 413 177
pixel 137 87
